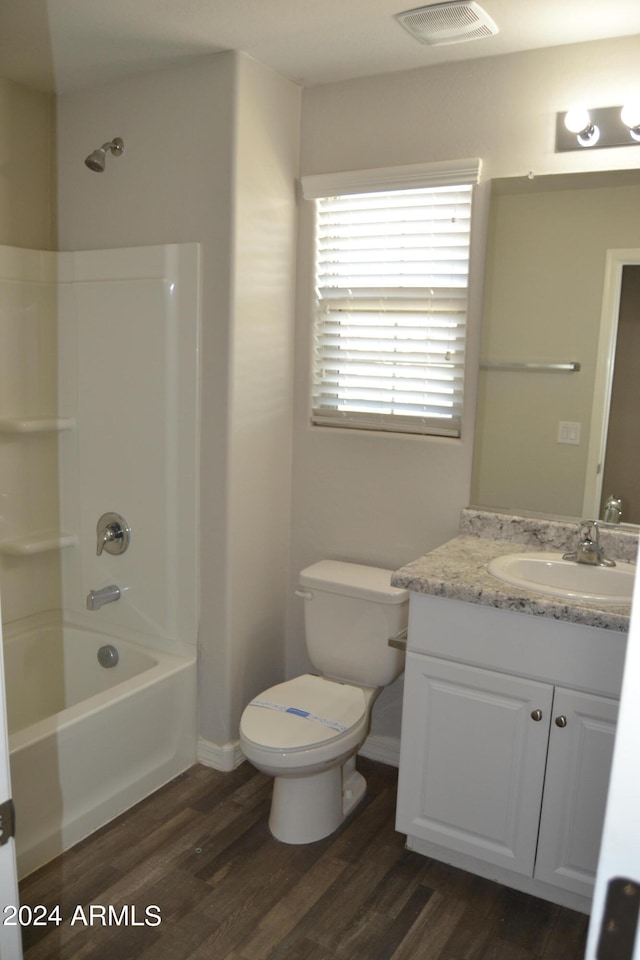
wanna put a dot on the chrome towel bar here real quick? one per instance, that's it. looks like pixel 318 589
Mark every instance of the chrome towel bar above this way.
pixel 572 366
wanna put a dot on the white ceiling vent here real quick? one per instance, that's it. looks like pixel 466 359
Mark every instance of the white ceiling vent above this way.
pixel 448 22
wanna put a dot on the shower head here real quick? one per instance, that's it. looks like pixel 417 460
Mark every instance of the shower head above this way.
pixel 96 160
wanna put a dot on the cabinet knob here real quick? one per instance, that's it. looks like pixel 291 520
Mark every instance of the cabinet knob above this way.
pixel 536 715
pixel 561 721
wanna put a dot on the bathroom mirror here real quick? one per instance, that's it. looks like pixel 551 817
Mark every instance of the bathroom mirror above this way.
pixel 563 252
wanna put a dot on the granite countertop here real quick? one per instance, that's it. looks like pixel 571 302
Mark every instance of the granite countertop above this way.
pixel 458 569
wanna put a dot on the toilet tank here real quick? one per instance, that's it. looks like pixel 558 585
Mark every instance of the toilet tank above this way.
pixel 350 612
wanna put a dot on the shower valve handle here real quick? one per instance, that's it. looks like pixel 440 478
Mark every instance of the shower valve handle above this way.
pixel 114 534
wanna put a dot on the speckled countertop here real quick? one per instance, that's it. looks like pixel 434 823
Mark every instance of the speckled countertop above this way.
pixel 458 569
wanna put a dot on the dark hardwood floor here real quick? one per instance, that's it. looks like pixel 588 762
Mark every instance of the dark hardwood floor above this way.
pixel 199 850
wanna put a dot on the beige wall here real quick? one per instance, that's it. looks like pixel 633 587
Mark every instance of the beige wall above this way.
pixel 499 108
pixel 27 168
pixel 386 500
pixel 201 142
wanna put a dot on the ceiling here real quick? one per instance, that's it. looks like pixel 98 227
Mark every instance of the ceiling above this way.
pixel 60 45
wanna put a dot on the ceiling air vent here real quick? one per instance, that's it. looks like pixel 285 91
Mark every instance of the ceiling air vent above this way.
pixel 448 22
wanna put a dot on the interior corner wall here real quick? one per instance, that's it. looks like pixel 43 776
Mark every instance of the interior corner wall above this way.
pixel 171 185
pixel 27 207
pixel 387 499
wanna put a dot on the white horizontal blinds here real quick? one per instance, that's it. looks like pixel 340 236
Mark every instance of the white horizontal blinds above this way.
pixel 391 303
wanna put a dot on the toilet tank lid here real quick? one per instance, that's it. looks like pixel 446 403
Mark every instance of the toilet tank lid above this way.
pixel 353 580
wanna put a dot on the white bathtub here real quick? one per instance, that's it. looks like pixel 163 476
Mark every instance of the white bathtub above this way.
pixel 86 742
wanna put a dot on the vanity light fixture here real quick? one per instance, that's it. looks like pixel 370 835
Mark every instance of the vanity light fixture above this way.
pixel 580 128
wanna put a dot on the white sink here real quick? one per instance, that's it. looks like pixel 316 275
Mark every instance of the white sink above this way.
pixel 548 573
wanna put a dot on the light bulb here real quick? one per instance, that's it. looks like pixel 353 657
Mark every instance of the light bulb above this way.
pixel 630 116
pixel 577 119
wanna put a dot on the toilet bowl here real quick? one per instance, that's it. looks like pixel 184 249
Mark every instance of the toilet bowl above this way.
pixel 314 788
pixel 305 732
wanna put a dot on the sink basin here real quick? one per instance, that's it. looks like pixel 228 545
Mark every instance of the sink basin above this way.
pixel 548 573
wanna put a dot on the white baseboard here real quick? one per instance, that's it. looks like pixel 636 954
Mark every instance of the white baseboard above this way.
pixel 225 758
pixel 383 749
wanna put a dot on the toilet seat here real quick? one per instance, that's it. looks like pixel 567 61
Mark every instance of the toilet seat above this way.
pixel 303 713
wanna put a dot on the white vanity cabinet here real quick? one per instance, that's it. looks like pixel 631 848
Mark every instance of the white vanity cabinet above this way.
pixel 507 738
pixel 575 791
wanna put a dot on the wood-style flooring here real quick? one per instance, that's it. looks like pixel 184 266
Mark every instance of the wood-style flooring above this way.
pixel 200 850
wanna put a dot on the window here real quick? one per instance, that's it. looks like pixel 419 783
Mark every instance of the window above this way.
pixel 391 277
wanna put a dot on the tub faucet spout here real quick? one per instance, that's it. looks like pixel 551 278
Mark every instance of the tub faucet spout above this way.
pixel 98 598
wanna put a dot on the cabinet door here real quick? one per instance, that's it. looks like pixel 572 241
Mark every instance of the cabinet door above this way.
pixel 575 795
pixel 472 760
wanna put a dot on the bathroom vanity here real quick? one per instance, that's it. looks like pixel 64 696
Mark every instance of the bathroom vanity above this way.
pixel 510 706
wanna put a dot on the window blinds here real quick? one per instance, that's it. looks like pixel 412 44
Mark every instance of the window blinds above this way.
pixel 391 300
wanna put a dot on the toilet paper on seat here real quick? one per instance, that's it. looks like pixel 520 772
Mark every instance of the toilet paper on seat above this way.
pixel 299 712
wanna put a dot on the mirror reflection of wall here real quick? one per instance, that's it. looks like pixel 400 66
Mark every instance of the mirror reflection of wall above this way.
pixel 621 476
pixel 546 255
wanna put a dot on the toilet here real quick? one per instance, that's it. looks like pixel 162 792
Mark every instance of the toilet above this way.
pixel 305 732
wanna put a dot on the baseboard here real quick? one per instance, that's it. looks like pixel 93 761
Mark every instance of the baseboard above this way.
pixel 225 758
pixel 382 749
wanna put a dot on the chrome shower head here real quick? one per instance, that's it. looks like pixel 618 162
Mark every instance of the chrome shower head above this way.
pixel 96 160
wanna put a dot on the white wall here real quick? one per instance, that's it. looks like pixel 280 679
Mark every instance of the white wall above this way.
pixel 386 500
pixel 195 162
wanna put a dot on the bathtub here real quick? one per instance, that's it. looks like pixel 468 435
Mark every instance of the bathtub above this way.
pixel 86 742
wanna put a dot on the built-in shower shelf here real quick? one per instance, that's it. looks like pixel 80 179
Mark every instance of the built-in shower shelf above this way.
pixel 40 542
pixel 35 424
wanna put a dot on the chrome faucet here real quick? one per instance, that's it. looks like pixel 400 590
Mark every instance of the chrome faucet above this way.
pixel 114 534
pixel 612 511
pixel 589 549
pixel 98 598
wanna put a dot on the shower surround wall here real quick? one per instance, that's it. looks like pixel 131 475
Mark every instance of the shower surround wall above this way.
pixel 128 361
pixel 99 412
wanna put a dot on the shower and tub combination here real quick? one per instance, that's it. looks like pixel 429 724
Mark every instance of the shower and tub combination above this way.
pixel 98 422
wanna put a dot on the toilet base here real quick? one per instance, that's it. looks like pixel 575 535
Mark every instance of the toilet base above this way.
pixel 306 809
